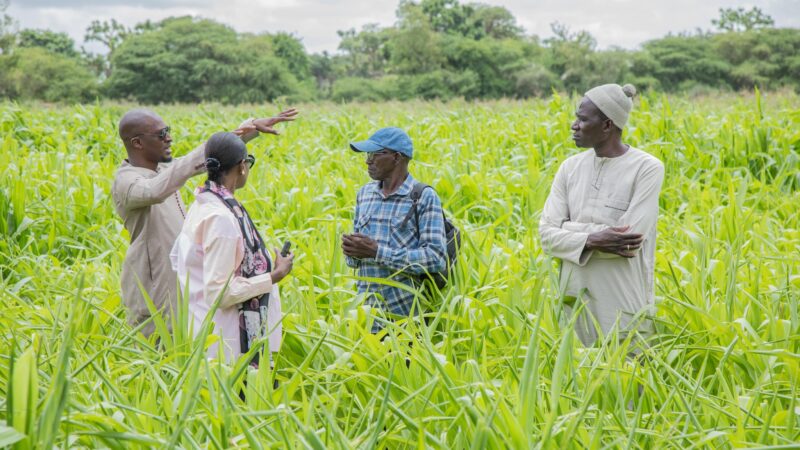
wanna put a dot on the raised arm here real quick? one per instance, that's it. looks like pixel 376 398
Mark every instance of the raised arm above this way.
pixel 132 190
pixel 250 128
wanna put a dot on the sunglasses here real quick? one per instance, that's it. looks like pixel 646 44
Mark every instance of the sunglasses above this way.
pixel 249 160
pixel 371 156
pixel 162 134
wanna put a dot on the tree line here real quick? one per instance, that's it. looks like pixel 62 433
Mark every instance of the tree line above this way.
pixel 437 49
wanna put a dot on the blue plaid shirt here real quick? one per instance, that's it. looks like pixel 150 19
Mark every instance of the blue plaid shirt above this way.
pixel 404 253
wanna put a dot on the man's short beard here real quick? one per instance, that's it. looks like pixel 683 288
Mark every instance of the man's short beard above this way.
pixel 166 159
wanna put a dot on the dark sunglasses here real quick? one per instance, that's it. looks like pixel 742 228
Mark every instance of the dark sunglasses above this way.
pixel 162 134
pixel 249 160
pixel 371 156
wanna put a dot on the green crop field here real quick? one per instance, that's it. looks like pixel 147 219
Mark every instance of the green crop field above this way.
pixel 496 365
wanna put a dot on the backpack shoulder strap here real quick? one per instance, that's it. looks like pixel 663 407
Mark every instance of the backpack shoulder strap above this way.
pixel 416 191
pixel 416 194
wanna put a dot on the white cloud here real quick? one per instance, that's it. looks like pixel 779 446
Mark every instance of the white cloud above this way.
pixel 315 22
pixel 628 23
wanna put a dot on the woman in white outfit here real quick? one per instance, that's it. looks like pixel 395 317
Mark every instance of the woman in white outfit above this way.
pixel 222 255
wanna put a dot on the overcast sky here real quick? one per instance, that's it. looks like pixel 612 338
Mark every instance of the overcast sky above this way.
pixel 623 23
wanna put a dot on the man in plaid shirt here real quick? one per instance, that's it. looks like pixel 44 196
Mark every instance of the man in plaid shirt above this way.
pixel 382 244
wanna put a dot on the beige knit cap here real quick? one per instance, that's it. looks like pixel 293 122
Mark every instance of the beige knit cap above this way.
pixel 614 101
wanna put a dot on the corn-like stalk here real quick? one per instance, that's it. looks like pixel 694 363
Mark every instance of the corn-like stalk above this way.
pixel 491 362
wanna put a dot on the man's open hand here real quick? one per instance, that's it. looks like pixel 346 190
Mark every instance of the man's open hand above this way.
pixel 266 124
pixel 250 128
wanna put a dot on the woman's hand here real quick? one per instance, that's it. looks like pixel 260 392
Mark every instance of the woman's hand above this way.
pixel 282 265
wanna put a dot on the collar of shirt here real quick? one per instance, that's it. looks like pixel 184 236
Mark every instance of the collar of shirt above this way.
pixel 404 189
pixel 127 165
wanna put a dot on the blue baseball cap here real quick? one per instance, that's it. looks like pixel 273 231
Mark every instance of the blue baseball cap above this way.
pixel 391 138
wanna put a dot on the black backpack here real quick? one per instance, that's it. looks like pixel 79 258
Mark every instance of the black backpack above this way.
pixel 452 235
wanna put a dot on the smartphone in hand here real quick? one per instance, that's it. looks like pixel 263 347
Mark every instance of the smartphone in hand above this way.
pixel 286 247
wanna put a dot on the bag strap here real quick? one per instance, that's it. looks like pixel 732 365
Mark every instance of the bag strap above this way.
pixel 416 194
pixel 232 204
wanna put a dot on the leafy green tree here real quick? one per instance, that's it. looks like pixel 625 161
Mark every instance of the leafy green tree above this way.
pixel 570 56
pixel 471 20
pixel 193 60
pixel 55 42
pixel 682 59
pixel 414 45
pixel 445 16
pixel 110 35
pixel 37 73
pixel 358 89
pixel 41 65
pixel 436 49
pixel 740 19
pixel 609 66
pixel 494 22
pixel 579 66
pixel 431 85
pixel 269 66
pixel 173 64
pixel 323 70
pixel 8 27
pixel 534 80
pixel 494 62
pixel 642 68
pixel 765 57
pixel 366 52
pixel 290 49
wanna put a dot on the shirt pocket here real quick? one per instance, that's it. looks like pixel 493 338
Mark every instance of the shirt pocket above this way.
pixel 404 235
pixel 362 226
pixel 616 207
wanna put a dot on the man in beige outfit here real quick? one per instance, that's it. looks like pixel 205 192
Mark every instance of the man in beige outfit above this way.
pixel 145 193
pixel 600 220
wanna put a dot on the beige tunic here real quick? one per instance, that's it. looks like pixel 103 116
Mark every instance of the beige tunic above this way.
pixel 589 194
pixel 153 214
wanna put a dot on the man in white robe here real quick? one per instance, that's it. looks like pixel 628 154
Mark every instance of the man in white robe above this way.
pixel 600 220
